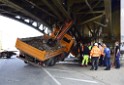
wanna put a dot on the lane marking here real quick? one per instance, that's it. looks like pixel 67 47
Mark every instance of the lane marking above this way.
pixel 68 62
pixel 66 71
pixel 57 82
pixel 75 79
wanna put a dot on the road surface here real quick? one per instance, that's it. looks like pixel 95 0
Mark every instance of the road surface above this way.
pixel 15 72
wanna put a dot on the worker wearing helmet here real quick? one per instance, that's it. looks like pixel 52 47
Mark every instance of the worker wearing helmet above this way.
pixel 94 55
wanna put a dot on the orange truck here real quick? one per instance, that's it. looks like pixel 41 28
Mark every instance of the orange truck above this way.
pixel 46 50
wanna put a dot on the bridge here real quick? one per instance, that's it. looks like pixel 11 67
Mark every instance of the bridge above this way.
pixel 95 16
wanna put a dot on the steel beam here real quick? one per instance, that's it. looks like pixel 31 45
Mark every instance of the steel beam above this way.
pixel 91 12
pixel 33 4
pixel 91 9
pixel 108 13
pixel 92 19
pixel 52 9
pixel 18 8
pixel 61 8
pixel 89 28
pixel 98 23
pixel 79 9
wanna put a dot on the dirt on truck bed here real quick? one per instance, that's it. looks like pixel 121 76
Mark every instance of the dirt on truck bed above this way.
pixel 40 43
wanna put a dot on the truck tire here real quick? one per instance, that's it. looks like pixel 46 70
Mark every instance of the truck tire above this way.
pixel 26 62
pixel 8 56
pixel 50 62
pixel 53 62
pixel 4 55
pixel 1 55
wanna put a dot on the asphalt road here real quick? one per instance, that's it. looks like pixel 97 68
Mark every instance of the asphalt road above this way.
pixel 15 72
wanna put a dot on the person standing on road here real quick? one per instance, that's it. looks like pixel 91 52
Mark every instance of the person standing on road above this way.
pixel 85 54
pixel 107 55
pixel 94 55
pixel 117 55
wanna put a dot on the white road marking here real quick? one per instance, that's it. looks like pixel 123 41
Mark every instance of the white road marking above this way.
pixel 68 62
pixel 58 83
pixel 88 81
pixel 14 80
pixel 73 78
pixel 66 71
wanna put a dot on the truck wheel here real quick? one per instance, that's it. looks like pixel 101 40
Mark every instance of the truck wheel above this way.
pixel 53 62
pixel 4 55
pixel 1 55
pixel 26 62
pixel 8 56
pixel 50 62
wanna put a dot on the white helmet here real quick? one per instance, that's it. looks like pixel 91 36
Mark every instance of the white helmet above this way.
pixel 96 44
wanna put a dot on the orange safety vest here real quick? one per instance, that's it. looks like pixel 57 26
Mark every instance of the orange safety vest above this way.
pixel 95 52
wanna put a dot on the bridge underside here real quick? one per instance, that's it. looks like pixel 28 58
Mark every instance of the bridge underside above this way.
pixel 92 18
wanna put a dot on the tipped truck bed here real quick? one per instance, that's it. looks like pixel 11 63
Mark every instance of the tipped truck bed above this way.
pixel 41 55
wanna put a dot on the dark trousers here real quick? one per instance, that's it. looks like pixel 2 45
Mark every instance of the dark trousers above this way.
pixel 117 62
pixel 80 58
pixel 107 62
pixel 101 61
pixel 94 61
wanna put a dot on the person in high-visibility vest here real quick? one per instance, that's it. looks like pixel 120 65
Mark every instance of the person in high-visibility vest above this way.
pixel 85 54
pixel 95 53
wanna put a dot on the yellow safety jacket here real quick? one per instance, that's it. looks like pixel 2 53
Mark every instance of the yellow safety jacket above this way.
pixel 95 52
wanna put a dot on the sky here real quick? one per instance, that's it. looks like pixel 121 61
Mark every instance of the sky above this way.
pixel 11 29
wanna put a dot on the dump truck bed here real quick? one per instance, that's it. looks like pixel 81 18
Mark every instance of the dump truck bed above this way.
pixel 37 48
